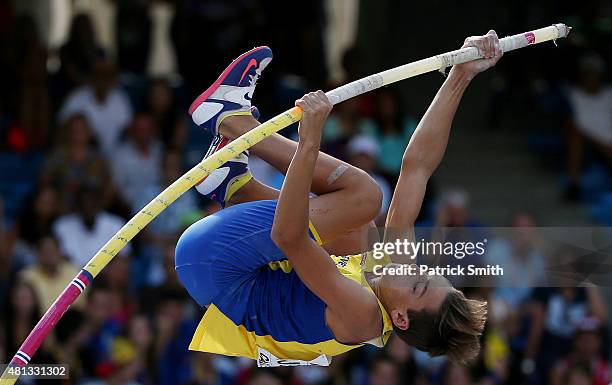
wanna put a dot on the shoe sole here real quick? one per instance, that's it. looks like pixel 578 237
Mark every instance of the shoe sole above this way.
pixel 209 91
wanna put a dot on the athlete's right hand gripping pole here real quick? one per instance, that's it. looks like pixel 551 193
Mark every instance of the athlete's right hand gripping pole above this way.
pixel 438 62
pixel 442 61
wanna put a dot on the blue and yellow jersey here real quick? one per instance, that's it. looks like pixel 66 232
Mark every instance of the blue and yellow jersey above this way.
pixel 282 317
pixel 257 306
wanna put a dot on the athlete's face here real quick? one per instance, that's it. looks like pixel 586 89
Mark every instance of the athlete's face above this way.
pixel 415 293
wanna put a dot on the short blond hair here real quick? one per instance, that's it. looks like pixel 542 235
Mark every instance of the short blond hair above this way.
pixel 453 331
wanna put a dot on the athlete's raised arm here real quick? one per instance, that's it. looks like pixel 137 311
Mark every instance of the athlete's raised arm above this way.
pixel 292 211
pixel 428 144
pixel 290 229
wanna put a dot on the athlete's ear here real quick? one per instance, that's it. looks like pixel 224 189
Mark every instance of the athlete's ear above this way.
pixel 400 319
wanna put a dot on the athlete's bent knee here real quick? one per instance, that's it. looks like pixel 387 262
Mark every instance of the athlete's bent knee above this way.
pixel 367 195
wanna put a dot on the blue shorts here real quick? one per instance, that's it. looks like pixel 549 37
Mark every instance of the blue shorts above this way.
pixel 224 252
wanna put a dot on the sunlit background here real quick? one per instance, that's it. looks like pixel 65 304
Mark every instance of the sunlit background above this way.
pixel 93 125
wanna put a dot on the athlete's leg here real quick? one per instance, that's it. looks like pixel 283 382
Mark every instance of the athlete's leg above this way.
pixel 353 241
pixel 278 151
pixel 218 254
pixel 348 197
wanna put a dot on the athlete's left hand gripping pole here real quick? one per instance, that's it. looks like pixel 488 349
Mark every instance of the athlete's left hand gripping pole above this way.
pixel 204 168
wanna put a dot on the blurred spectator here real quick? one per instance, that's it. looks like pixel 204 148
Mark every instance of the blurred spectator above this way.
pixel 13 257
pixel 522 259
pixel 173 331
pixel 102 14
pixel 310 375
pixel 590 125
pixel 344 123
pixel 578 375
pixel 587 353
pixel 82 233
pixel 77 56
pixel 106 107
pixel 511 311
pixel 132 356
pixel 402 354
pixel 141 337
pixel 265 377
pixel 363 152
pixel 92 340
pixel 453 210
pixel 205 372
pixel 223 27
pixel 164 108
pixel 353 66
pixel 133 35
pixel 558 311
pixel 298 40
pixel 20 319
pixel 172 220
pixel 353 69
pixel 74 163
pixel 15 254
pixel 171 280
pixel 455 374
pixel 21 316
pixel 50 274
pixel 116 278
pixel 37 217
pixel 136 162
pixel 394 129
pixel 383 371
pixel 32 93
pixel 497 354
pixel 161 275
pixel 282 375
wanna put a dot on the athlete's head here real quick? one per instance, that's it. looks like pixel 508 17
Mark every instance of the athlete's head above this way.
pixel 431 315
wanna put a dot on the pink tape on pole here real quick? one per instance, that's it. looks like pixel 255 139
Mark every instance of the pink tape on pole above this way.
pixel 51 318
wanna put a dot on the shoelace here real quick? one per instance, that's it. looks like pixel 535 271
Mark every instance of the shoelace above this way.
pixel 253 79
pixel 252 83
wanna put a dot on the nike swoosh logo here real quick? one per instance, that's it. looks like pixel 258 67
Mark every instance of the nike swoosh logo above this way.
pixel 212 181
pixel 235 95
pixel 205 112
pixel 252 63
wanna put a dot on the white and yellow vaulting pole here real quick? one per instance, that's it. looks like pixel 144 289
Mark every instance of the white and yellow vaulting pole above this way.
pixel 206 166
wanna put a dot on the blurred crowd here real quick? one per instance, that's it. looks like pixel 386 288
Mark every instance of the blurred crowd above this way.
pixel 91 131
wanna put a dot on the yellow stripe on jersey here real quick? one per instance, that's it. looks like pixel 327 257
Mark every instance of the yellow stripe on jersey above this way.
pixel 216 333
pixel 315 233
